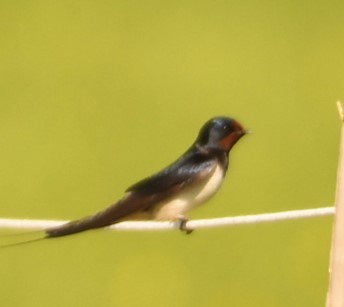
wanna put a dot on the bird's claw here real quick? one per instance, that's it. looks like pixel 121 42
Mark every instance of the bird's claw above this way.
pixel 182 225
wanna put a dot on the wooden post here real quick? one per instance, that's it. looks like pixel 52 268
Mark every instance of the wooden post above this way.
pixel 335 295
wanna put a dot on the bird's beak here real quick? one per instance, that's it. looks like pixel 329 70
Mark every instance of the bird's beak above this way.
pixel 243 132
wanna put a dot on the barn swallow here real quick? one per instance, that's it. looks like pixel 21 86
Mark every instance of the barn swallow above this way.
pixel 169 194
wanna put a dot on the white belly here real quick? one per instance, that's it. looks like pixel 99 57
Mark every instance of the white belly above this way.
pixel 172 209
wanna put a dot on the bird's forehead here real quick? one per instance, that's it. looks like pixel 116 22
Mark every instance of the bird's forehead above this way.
pixel 228 122
pixel 237 125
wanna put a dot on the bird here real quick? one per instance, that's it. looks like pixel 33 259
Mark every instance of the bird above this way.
pixel 180 187
pixel 169 194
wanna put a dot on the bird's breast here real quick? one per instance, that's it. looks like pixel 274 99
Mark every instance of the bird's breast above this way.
pixel 190 197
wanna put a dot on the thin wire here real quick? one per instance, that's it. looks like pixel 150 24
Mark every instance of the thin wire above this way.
pixel 192 224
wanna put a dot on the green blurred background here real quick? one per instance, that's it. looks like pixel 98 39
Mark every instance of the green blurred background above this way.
pixel 95 95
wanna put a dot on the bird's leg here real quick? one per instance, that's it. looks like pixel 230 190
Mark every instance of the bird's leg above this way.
pixel 182 224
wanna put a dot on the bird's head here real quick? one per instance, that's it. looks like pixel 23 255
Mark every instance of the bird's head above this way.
pixel 220 133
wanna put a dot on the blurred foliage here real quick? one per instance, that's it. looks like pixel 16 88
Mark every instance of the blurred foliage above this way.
pixel 95 95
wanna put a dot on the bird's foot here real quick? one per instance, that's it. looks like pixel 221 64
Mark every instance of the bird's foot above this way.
pixel 182 224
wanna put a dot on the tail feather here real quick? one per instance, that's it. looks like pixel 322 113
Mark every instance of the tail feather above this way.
pixel 115 213
pixel 22 242
pixel 14 239
pixel 73 227
pixel 124 209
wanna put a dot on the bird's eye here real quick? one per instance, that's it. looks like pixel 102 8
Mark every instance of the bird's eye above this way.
pixel 224 127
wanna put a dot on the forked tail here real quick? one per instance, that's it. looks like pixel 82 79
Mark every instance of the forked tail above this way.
pixel 101 219
pixel 110 215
